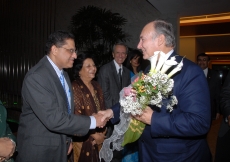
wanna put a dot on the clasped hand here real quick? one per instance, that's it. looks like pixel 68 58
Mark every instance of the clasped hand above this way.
pixel 102 117
pixel 7 148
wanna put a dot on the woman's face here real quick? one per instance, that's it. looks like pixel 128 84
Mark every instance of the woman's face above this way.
pixel 135 61
pixel 88 69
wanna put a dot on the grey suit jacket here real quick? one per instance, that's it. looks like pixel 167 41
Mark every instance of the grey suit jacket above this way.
pixel 108 79
pixel 44 121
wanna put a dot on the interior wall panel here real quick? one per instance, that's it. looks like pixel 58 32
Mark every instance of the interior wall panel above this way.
pixel 25 26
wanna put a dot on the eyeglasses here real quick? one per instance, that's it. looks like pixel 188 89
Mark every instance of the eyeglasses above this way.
pixel 70 50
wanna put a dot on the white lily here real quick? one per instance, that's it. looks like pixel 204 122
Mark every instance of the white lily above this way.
pixel 176 69
pixel 161 61
pixel 153 60
pixel 168 64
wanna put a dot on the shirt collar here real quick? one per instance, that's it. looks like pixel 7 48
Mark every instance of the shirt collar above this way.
pixel 58 71
pixel 169 53
pixel 205 72
pixel 117 66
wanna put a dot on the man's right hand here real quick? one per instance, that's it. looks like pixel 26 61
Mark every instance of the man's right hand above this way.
pixel 107 114
pixel 99 120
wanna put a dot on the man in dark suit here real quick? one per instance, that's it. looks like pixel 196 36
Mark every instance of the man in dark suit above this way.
pixel 180 135
pixel 223 140
pixel 112 81
pixel 47 118
pixel 214 84
pixel 108 76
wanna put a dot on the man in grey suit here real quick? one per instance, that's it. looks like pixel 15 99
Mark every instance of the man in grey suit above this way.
pixel 214 84
pixel 108 76
pixel 47 120
pixel 113 77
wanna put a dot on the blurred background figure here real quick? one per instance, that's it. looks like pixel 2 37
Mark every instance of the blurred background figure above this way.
pixel 134 62
pixel 214 84
pixel 7 139
pixel 223 139
pixel 88 99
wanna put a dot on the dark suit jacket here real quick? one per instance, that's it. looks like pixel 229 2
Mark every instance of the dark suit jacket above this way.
pixel 44 121
pixel 108 79
pixel 214 84
pixel 225 106
pixel 180 135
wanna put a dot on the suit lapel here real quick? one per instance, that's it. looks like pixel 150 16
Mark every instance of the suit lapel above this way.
pixel 57 81
pixel 209 75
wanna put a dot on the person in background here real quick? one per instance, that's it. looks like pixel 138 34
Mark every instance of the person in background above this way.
pixel 112 77
pixel 214 84
pixel 223 139
pixel 133 62
pixel 179 135
pixel 7 139
pixel 88 99
pixel 47 122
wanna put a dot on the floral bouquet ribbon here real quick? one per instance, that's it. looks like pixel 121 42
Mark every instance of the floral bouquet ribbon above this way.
pixel 150 89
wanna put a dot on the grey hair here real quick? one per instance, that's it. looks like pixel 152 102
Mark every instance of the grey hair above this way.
pixel 122 44
pixel 165 28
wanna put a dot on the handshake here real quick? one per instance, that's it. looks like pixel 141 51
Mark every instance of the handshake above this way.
pixel 102 117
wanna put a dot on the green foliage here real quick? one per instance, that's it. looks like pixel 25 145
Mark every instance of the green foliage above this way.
pixel 134 131
pixel 96 30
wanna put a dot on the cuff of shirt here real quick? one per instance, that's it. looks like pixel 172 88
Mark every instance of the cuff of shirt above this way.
pixel 93 122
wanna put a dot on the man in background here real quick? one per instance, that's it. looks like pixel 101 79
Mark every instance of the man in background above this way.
pixel 214 84
pixel 113 77
pixel 47 121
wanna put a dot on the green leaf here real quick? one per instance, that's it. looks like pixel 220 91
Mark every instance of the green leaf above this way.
pixel 134 131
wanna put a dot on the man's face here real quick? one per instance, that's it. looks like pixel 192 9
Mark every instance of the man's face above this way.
pixel 148 41
pixel 119 54
pixel 202 61
pixel 65 55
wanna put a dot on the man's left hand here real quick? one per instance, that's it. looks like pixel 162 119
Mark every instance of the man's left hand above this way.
pixel 146 116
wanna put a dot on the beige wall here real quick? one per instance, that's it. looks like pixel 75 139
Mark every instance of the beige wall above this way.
pixel 188 48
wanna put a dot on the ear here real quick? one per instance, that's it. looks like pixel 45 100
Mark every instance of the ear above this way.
pixel 113 55
pixel 161 40
pixel 54 50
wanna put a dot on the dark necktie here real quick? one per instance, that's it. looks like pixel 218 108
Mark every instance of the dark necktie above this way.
pixel 62 79
pixel 120 78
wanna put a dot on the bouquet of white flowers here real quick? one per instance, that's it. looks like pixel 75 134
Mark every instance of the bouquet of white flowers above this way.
pixel 150 89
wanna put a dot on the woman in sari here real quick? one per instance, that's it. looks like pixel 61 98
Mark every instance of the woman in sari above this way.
pixel 88 99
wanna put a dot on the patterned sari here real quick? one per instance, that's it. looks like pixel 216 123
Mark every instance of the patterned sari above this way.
pixel 87 104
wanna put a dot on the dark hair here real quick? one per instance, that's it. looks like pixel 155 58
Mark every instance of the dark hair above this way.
pixel 78 63
pixel 122 44
pixel 133 54
pixel 165 28
pixel 57 38
pixel 203 54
